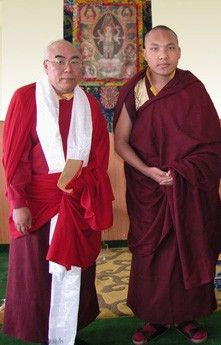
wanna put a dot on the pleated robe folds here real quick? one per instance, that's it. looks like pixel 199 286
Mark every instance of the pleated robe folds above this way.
pixel 175 232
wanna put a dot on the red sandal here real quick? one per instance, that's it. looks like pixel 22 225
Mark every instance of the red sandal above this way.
pixel 148 332
pixel 192 331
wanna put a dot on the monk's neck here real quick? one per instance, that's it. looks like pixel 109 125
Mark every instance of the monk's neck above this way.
pixel 159 82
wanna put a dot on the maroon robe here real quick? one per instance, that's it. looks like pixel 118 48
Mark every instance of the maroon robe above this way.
pixel 28 183
pixel 175 233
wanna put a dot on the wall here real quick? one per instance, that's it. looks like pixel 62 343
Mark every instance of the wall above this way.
pixel 27 27
pixel 3 203
pixel 197 23
pixel 120 225
pixel 0 57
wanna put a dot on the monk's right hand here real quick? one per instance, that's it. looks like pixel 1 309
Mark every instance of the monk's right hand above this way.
pixel 22 219
pixel 162 177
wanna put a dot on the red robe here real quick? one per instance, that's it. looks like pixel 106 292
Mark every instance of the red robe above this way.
pixel 81 215
pixel 176 130
pixel 87 208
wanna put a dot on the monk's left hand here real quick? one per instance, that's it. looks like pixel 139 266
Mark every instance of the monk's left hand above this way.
pixel 162 177
pixel 167 179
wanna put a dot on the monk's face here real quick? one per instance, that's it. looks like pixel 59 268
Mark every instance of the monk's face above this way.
pixel 63 66
pixel 161 52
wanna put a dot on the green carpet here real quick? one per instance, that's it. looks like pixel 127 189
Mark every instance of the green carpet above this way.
pixel 118 331
pixel 3 273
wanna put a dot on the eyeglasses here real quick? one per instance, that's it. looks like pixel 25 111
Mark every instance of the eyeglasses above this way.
pixel 62 63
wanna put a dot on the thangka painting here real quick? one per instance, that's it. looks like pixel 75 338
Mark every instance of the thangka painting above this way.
pixel 110 35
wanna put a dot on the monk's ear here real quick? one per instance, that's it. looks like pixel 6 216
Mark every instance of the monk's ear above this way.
pixel 45 64
pixel 145 54
pixel 179 52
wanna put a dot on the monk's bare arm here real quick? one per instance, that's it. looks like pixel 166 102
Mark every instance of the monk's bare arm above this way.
pixel 125 151
pixel 121 142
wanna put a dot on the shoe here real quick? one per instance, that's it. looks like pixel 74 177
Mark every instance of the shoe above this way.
pixel 192 331
pixel 148 332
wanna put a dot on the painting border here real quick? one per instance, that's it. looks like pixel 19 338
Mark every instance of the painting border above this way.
pixel 106 91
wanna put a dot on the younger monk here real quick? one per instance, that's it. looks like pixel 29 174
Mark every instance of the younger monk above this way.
pixel 168 133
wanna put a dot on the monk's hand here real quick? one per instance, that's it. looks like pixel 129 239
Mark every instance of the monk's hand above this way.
pixel 22 219
pixel 162 177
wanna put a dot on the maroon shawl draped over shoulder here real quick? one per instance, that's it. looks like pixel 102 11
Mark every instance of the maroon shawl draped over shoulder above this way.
pixel 178 130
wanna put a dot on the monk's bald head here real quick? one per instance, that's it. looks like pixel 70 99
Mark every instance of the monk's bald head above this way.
pixel 163 28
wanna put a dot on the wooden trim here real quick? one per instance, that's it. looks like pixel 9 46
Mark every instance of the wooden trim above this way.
pixel 120 227
pixel 4 238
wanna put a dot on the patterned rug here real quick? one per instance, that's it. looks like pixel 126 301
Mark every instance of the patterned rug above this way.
pixel 218 283
pixel 113 268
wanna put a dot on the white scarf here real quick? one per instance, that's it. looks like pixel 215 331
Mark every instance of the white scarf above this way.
pixel 80 131
pixel 65 291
